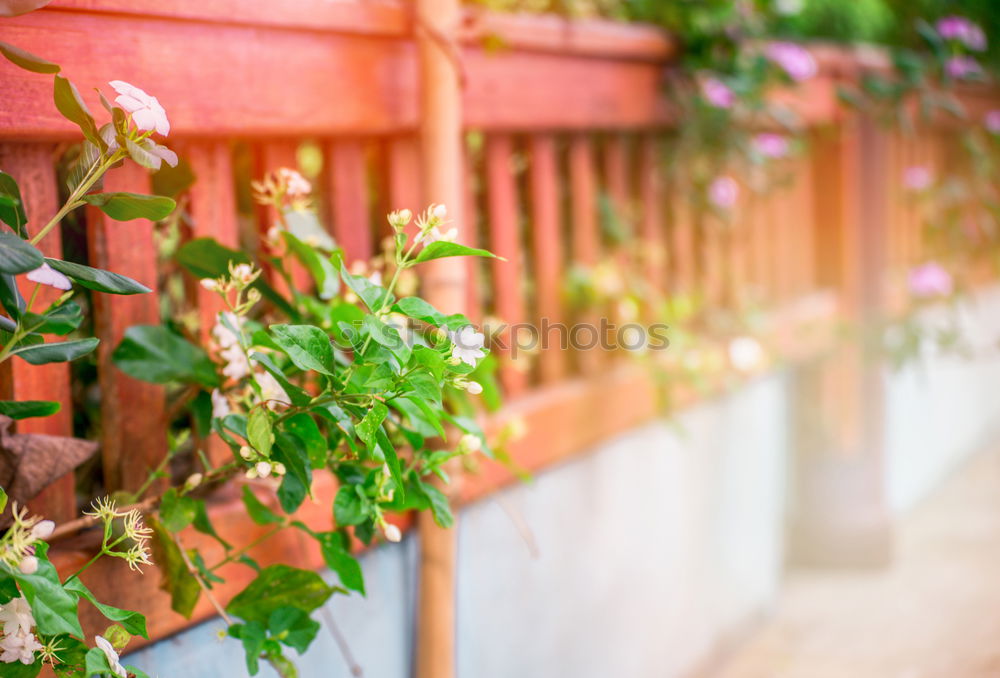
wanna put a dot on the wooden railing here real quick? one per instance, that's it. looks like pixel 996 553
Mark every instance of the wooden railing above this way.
pixel 562 116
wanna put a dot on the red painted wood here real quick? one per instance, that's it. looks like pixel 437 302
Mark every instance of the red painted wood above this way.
pixel 352 226
pixel 212 206
pixel 586 236
pixel 33 167
pixel 133 429
pixel 471 237
pixel 546 223
pixel 682 241
pixel 405 186
pixel 651 225
pixel 505 241
pixel 268 157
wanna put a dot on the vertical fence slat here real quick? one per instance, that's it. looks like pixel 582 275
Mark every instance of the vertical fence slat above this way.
pixel 586 240
pixel 349 198
pixel 268 157
pixel 651 219
pixel 474 301
pixel 213 214
pixel 133 430
pixel 546 222
pixel 33 168
pixel 505 241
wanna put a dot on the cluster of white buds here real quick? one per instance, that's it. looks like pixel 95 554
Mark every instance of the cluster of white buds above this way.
pixel 17 548
pixel 429 226
pixel 400 219
pixel 240 277
pixel 262 467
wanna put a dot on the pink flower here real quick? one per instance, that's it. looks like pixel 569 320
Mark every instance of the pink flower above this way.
pixel 46 275
pixel 917 178
pixel 717 93
pixel 296 185
pixel 992 121
pixel 959 67
pixel 723 192
pixel 964 31
pixel 794 59
pixel 771 145
pixel 930 280
pixel 147 113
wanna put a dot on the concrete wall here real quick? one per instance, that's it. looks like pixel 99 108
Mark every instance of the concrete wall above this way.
pixel 649 550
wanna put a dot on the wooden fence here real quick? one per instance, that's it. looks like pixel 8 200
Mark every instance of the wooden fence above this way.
pixel 560 115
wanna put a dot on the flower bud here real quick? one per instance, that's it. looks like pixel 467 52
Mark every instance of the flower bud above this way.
pixel 278 468
pixel 29 564
pixel 454 360
pixel 210 284
pixel 253 296
pixel 439 212
pixel 263 469
pixel 193 481
pixel 391 532
pixel 43 529
pixel 400 218
pixel 251 474
pixel 246 452
pixel 474 387
pixel 470 443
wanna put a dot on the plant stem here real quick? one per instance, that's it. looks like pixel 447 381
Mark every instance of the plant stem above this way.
pixel 73 201
pixel 240 551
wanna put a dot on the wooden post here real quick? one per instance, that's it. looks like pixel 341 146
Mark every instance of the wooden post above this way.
pixel 444 282
pixel 839 517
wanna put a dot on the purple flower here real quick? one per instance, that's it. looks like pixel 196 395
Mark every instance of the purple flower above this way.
pixel 771 145
pixel 794 59
pixel 917 178
pixel 717 93
pixel 930 280
pixel 961 67
pixel 723 192
pixel 964 31
pixel 992 121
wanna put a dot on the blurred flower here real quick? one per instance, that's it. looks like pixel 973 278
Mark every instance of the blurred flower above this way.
pixel 930 280
pixel 147 113
pixel 439 211
pixel 717 93
pixel 723 192
pixel 918 178
pixel 271 391
pixel 468 345
pixel 746 354
pixel 28 565
pixel 788 7
pixel 43 529
pixel 16 616
pixel 159 153
pixel 992 121
pixel 109 651
pixel 391 532
pixel 771 145
pixel 470 443
pixel 19 647
pixel 220 404
pixel 963 30
pixel 794 59
pixel 46 275
pixel 435 234
pixel 959 67
pixel 296 185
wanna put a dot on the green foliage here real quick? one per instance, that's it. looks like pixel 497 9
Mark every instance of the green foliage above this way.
pixel 156 354
pixel 128 206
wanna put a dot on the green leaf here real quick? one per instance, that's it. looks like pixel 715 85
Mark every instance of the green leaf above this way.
pixel 60 320
pixel 56 352
pixel 371 423
pixel 387 336
pixel 392 460
pixel 158 355
pixel 307 346
pixel 417 308
pixel 292 627
pixel 97 663
pixel 176 580
pixel 12 206
pixel 334 546
pixel 348 507
pixel 172 181
pixel 259 432
pixel 279 586
pixel 440 507
pixel 440 249
pixel 133 622
pixel 206 258
pixel 296 394
pixel 258 512
pixel 203 524
pixel 306 430
pixel 373 295
pixel 10 296
pixel 176 511
pixel 26 409
pixel 3 504
pixel 96 279
pixel 298 477
pixel 306 227
pixel 127 206
pixel 319 266
pixel 17 255
pixel 70 104
pixel 252 636
pixel 54 608
pixel 27 60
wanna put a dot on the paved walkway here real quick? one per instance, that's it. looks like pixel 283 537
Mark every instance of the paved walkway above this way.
pixel 934 614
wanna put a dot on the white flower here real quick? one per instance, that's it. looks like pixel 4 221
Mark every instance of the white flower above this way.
pixel 296 185
pixel 391 532
pixel 147 113
pixel 19 647
pixel 43 529
pixel 109 651
pixel 435 234
pixel 159 153
pixel 270 389
pixel 468 345
pixel 237 366
pixel 244 273
pixel 220 404
pixel 210 284
pixel 46 275
pixel 474 387
pixel 263 469
pixel 16 616
pixel 470 443
pixel 193 481
pixel 224 336
pixel 746 354
pixel 278 468
pixel 439 211
pixel 246 452
pixel 28 565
